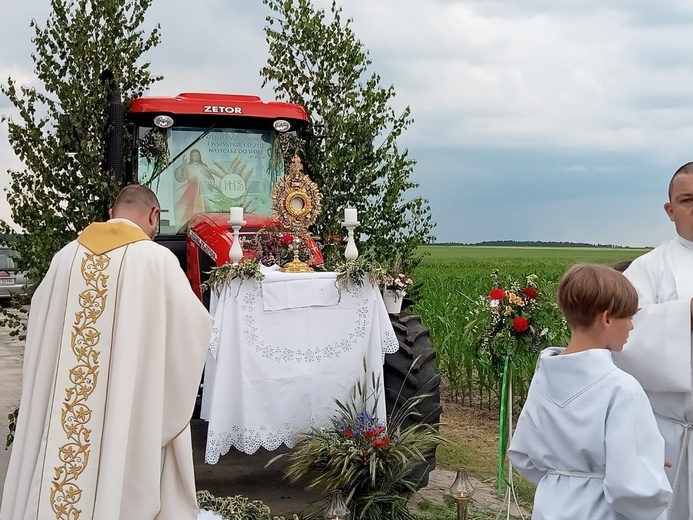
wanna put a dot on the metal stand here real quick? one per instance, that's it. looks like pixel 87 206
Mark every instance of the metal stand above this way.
pixel 462 504
pixel 296 266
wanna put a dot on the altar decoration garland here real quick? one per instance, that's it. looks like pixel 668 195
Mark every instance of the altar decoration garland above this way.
pixel 220 276
pixel 236 507
pixel 354 272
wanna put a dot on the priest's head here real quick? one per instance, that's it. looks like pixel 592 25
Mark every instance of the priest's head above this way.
pixel 680 204
pixel 140 205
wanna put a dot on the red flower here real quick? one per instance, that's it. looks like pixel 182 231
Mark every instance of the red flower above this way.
pixel 520 324
pixel 371 434
pixel 497 294
pixel 530 292
pixel 287 238
pixel 381 443
pixel 348 433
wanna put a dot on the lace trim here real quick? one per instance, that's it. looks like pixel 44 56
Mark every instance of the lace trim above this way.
pixel 214 342
pixel 389 343
pixel 248 440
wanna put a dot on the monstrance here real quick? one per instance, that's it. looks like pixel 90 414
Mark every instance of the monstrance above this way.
pixel 296 203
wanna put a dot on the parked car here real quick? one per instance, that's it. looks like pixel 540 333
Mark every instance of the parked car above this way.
pixel 11 281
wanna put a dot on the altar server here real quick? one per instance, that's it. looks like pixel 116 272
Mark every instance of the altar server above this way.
pixel 115 347
pixel 658 353
pixel 586 435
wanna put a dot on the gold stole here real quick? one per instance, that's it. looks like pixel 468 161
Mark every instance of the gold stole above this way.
pixel 71 463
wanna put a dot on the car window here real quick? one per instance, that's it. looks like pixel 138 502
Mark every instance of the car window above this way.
pixel 6 260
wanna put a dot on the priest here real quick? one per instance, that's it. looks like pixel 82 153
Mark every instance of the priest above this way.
pixel 115 347
pixel 658 352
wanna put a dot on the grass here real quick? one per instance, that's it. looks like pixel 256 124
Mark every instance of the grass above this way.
pixel 602 255
pixel 448 511
pixel 472 436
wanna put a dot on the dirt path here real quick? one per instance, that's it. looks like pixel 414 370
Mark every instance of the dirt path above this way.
pixel 11 351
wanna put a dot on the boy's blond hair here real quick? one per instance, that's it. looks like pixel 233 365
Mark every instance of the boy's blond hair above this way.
pixel 587 290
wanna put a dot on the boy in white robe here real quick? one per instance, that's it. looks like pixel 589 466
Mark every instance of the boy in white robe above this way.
pixel 587 435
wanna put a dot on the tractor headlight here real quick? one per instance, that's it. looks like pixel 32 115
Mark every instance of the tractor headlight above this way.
pixel 163 121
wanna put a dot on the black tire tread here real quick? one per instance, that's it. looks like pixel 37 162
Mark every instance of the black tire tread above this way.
pixel 412 371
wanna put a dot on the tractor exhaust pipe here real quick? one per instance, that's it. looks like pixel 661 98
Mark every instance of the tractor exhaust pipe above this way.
pixel 113 158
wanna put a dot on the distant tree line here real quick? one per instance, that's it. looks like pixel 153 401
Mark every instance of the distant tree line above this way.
pixel 529 243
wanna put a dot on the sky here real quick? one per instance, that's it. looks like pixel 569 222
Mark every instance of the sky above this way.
pixel 533 120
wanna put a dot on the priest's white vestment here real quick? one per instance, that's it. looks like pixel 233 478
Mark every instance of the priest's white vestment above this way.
pixel 115 348
pixel 587 437
pixel 658 354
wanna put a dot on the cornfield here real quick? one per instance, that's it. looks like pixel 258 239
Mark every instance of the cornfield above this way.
pixel 450 281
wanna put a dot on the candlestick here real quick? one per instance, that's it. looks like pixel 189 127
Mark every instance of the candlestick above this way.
pixel 236 215
pixel 351 252
pixel 350 216
pixel 236 251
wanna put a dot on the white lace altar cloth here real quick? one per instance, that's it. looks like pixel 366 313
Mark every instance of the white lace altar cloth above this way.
pixel 271 375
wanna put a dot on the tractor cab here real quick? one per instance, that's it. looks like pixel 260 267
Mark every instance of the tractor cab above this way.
pixel 203 154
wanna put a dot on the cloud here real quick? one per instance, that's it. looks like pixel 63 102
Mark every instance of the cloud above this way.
pixel 567 118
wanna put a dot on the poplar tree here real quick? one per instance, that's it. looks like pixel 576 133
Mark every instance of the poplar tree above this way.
pixel 316 61
pixel 63 186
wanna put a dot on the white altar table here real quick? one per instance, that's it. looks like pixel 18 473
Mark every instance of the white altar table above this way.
pixel 282 351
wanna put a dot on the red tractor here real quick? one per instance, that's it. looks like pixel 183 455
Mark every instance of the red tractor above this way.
pixel 205 153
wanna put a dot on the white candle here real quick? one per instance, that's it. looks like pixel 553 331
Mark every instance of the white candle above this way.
pixel 236 214
pixel 350 216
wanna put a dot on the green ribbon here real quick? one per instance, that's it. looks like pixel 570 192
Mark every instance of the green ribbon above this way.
pixel 503 425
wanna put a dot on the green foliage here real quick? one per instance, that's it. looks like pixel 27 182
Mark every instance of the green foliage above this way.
pixel 319 63
pixel 236 508
pixel 530 256
pixel 451 281
pixel 448 511
pixel 154 147
pixel 56 195
pixel 354 272
pixel 12 427
pixel 222 275
pixel 371 463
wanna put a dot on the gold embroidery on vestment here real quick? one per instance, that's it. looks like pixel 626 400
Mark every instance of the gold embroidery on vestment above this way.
pixel 66 493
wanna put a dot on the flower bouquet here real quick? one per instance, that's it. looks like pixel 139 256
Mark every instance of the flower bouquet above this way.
pixel 398 283
pixel 370 462
pixel 395 286
pixel 514 321
pixel 274 246
pixel 509 326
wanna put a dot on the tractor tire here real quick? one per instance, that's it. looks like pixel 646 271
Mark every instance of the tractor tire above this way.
pixel 409 372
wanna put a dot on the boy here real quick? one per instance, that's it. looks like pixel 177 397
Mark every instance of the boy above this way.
pixel 587 435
